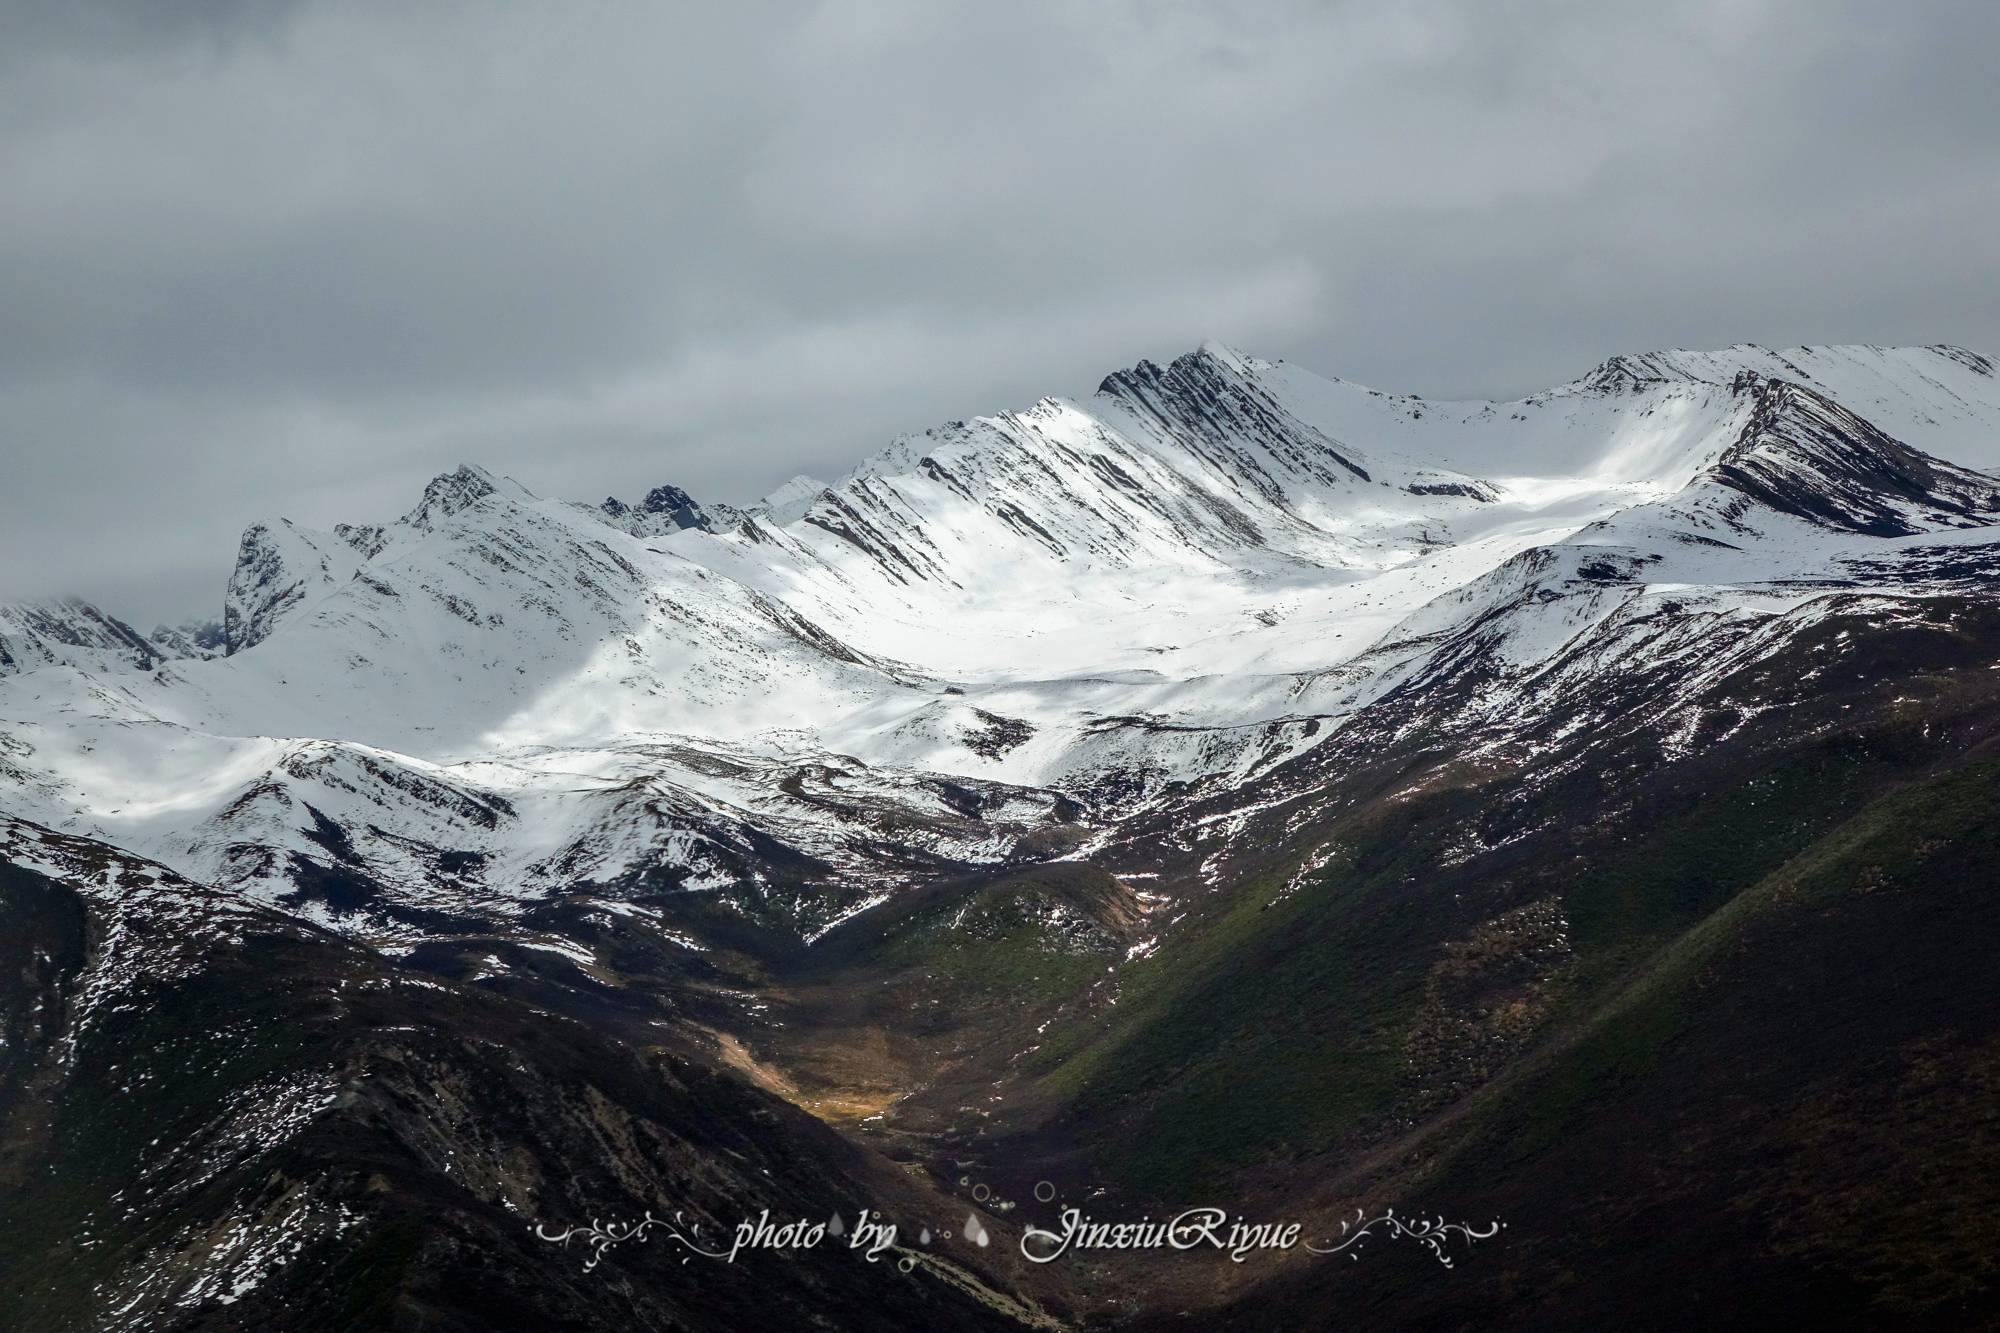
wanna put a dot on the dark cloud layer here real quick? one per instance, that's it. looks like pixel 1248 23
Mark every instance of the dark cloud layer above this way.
pixel 264 258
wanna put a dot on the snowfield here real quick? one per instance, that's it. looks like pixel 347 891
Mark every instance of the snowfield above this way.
pixel 985 642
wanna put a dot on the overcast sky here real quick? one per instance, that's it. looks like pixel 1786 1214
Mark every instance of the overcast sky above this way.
pixel 293 257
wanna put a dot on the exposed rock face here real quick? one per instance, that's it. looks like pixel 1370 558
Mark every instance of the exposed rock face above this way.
pixel 1240 785
pixel 65 631
pixel 667 510
pixel 300 1127
pixel 1805 455
pixel 281 571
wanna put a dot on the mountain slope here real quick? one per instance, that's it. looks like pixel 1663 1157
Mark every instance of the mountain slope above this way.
pixel 1195 576
pixel 217 1119
pixel 1239 785
pixel 70 632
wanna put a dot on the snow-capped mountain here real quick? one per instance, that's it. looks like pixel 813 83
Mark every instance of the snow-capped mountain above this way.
pixel 988 642
pixel 65 631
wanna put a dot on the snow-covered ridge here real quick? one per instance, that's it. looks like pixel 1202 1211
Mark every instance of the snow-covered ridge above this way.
pixel 66 631
pixel 981 643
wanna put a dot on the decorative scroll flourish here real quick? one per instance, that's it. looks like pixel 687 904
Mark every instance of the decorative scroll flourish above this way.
pixel 602 1237
pixel 1433 1233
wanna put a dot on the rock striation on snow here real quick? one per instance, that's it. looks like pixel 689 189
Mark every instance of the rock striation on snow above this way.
pixel 989 642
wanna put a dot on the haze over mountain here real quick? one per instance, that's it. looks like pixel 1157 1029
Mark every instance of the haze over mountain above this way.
pixel 720 246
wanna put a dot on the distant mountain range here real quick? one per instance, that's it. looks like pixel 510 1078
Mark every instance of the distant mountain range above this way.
pixel 1242 786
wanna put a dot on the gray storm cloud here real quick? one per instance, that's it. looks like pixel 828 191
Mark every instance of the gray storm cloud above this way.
pixel 263 258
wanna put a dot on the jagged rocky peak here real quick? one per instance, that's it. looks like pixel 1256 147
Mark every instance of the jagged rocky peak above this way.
pixel 452 492
pixel 669 509
pixel 68 631
pixel 1805 455
pixel 1212 369
pixel 282 568
pixel 673 501
pixel 1211 403
pixel 367 538
pixel 285 568
pixel 191 638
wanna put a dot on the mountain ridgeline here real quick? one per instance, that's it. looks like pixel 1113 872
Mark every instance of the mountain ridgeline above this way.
pixel 1240 788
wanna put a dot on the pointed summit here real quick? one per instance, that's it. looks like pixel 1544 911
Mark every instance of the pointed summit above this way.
pixel 451 492
pixel 1215 395
pixel 666 510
